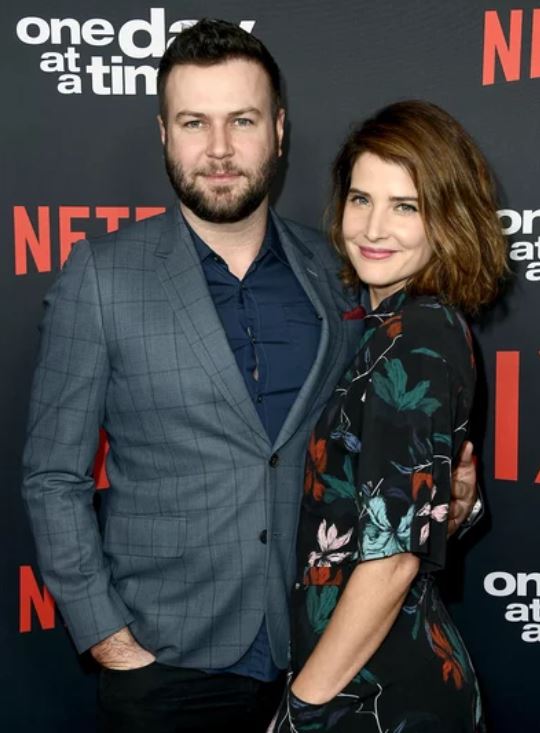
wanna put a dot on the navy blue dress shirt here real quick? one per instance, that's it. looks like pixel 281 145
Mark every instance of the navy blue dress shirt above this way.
pixel 273 331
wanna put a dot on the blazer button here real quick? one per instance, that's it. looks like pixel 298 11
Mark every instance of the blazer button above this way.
pixel 274 460
pixel 264 536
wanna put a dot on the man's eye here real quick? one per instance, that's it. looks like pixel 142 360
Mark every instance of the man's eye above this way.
pixel 243 122
pixel 193 124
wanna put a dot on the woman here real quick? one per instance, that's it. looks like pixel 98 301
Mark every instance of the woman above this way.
pixel 373 648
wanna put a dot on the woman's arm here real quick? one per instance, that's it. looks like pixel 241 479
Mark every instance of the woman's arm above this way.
pixel 363 617
pixel 414 409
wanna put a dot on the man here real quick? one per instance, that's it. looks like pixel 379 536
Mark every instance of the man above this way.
pixel 206 342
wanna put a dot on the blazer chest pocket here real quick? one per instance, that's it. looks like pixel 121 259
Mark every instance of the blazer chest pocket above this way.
pixel 140 536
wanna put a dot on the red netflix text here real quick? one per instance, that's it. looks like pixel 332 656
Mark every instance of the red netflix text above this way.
pixel 45 234
pixel 34 602
pixel 506 423
pixel 504 42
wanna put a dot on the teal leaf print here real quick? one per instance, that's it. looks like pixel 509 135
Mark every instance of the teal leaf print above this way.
pixel 365 338
pixel 366 676
pixel 429 405
pixel 442 438
pixel 321 601
pixel 448 315
pixel 392 389
pixel 348 470
pixel 380 538
pixel 416 627
pixel 414 397
pixel 337 489
pixel 426 352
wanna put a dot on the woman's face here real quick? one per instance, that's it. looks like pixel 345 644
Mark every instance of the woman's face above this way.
pixel 382 228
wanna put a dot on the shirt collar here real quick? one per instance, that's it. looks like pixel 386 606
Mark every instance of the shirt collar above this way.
pixel 389 305
pixel 271 243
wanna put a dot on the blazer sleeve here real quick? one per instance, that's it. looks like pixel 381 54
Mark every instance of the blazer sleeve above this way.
pixel 66 410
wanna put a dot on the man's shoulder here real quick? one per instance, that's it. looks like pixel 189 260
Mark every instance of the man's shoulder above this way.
pixel 146 232
pixel 313 239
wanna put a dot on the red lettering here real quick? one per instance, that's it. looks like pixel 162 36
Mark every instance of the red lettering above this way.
pixel 30 597
pixel 36 242
pixel 496 46
pixel 67 236
pixel 506 415
pixel 25 238
pixel 112 215
pixel 535 45
pixel 100 474
pixel 145 212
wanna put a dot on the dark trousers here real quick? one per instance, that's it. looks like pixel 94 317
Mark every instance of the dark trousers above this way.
pixel 163 699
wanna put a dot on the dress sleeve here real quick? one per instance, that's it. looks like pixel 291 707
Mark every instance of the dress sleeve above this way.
pixel 411 428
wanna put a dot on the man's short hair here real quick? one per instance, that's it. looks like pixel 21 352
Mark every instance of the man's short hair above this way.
pixel 211 42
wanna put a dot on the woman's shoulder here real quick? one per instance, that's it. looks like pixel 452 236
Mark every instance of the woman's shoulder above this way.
pixel 428 314
pixel 423 324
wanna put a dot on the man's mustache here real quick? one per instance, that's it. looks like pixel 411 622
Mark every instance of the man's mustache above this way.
pixel 214 170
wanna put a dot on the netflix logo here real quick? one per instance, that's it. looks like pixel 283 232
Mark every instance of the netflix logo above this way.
pixel 35 602
pixel 505 36
pixel 506 422
pixel 43 236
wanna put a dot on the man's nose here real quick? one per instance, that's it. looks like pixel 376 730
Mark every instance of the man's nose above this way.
pixel 219 142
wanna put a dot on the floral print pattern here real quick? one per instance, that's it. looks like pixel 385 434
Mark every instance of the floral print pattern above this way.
pixel 378 480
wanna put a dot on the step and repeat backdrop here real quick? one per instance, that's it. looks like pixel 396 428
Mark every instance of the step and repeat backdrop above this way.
pixel 82 157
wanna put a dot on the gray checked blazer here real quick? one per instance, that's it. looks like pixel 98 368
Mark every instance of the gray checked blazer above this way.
pixel 198 534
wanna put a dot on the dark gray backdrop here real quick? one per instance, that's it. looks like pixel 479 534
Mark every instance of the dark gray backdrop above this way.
pixel 341 61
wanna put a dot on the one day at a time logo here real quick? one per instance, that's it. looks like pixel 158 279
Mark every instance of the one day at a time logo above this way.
pixel 94 56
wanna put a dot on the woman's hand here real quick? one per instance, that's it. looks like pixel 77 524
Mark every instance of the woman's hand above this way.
pixel 362 618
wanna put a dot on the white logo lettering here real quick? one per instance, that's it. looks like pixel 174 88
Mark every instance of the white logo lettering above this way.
pixel 523 222
pixel 137 38
pixel 521 585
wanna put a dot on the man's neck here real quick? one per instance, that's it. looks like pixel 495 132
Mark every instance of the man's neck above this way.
pixel 238 243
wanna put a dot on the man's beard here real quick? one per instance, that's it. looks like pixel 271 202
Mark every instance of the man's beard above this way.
pixel 219 205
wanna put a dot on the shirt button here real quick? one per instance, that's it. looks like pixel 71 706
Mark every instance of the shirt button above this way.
pixel 274 460
pixel 259 399
pixel 263 537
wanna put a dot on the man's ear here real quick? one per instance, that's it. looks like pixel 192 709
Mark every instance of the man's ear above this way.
pixel 280 129
pixel 162 130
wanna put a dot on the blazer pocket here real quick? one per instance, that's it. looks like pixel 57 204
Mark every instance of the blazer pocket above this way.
pixel 139 536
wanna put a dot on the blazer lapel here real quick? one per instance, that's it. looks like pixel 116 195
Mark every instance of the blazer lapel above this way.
pixel 314 282
pixel 182 278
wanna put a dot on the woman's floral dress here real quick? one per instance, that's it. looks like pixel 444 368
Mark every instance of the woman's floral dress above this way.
pixel 377 483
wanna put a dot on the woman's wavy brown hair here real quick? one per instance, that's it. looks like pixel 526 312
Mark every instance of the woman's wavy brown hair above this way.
pixel 456 196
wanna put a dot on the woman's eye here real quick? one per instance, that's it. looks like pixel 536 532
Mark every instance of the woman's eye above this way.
pixel 357 198
pixel 407 208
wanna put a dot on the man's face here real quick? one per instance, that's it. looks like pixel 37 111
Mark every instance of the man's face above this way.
pixel 220 138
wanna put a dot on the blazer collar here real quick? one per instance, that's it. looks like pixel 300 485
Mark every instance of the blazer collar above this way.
pixel 182 277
